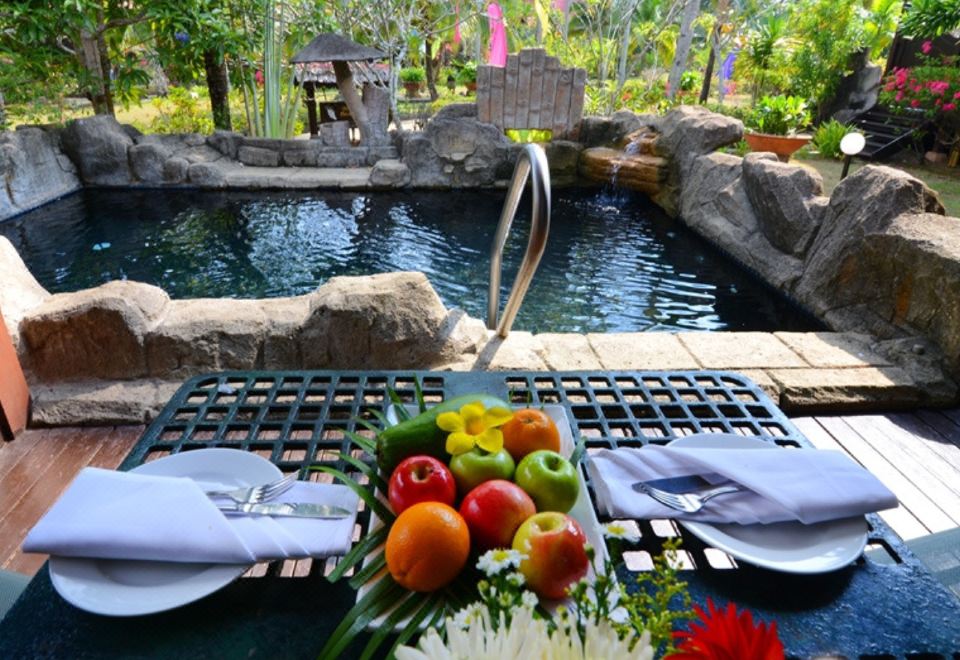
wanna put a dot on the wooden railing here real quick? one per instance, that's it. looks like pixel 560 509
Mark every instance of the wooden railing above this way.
pixel 532 91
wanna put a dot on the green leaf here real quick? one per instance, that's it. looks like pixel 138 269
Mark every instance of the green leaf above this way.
pixel 368 571
pixel 414 626
pixel 364 546
pixel 384 594
pixel 380 418
pixel 402 413
pixel 421 404
pixel 366 444
pixel 416 602
pixel 375 479
pixel 378 507
pixel 367 425
pixel 579 451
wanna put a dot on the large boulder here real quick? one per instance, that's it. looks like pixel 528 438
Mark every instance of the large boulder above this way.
pixel 456 152
pixel 389 173
pixel 836 274
pixel 386 321
pixel 608 131
pixel 785 198
pixel 689 131
pixel 33 170
pixel 205 335
pixel 910 274
pixel 98 147
pixel 95 333
pixel 20 292
pixel 147 161
pixel 714 202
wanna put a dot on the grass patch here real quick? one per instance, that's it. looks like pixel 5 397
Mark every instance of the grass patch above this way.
pixel 944 180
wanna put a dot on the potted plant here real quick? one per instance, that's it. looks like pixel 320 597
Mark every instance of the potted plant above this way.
pixel 412 78
pixel 467 76
pixel 773 125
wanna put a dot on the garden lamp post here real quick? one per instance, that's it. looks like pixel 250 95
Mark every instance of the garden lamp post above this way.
pixel 850 145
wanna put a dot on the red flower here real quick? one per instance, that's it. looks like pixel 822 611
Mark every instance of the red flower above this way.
pixel 926 47
pixel 725 635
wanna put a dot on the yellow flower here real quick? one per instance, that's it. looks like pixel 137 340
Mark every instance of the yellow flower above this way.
pixel 473 426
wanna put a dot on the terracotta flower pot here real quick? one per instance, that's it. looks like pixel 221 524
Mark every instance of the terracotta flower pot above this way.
pixel 782 145
pixel 413 89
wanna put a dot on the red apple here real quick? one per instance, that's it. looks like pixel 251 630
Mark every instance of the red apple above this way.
pixel 420 479
pixel 556 554
pixel 493 511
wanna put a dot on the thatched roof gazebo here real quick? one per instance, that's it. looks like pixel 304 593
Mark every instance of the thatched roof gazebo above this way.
pixel 340 51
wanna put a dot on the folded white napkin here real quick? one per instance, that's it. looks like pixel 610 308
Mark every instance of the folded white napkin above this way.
pixel 124 515
pixel 808 485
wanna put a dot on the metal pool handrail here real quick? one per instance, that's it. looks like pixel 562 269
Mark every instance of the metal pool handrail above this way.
pixel 532 161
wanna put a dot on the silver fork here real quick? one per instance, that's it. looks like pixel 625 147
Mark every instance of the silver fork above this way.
pixel 257 494
pixel 687 502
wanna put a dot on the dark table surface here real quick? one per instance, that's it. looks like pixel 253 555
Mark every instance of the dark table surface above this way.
pixel 299 419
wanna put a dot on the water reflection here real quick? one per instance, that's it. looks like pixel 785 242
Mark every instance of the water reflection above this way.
pixel 613 261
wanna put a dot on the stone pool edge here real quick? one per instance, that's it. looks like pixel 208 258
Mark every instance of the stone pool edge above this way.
pixel 803 373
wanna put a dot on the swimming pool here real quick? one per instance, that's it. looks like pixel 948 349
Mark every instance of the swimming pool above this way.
pixel 614 262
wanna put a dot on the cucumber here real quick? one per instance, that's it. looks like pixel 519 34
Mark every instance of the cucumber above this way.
pixel 421 435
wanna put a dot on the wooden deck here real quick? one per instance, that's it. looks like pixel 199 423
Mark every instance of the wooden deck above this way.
pixel 34 470
pixel 917 455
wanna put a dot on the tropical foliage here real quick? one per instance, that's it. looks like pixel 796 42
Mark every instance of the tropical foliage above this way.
pixel 642 55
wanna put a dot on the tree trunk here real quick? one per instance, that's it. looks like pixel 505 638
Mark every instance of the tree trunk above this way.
pixel 350 96
pixel 708 74
pixel 3 113
pixel 219 87
pixel 431 68
pixel 685 39
pixel 90 58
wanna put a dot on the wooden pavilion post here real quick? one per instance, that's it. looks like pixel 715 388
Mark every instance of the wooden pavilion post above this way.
pixel 311 102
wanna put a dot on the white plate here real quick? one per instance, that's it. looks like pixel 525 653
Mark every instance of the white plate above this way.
pixel 789 547
pixel 131 588
pixel 582 510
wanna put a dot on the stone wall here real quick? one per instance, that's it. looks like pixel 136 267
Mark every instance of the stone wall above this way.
pixel 878 256
pixel 129 330
pixel 33 170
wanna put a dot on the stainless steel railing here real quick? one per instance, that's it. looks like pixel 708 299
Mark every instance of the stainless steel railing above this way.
pixel 532 162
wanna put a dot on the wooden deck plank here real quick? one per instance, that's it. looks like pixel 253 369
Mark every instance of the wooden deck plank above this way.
pixel 922 464
pixel 909 494
pixel 65 452
pixel 901 520
pixel 932 441
pixel 942 424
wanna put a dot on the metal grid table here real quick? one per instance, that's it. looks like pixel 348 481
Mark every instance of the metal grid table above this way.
pixel 299 420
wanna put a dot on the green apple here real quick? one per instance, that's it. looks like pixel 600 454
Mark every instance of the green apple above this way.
pixel 550 479
pixel 476 466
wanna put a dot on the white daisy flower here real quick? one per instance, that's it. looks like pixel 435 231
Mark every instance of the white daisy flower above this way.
pixel 499 559
pixel 619 530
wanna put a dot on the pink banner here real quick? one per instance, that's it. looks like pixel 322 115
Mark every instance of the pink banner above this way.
pixel 498 36
pixel 456 30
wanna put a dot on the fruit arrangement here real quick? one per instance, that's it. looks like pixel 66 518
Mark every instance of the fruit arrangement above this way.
pixel 470 475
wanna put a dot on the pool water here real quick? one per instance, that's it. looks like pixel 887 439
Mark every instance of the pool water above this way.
pixel 614 261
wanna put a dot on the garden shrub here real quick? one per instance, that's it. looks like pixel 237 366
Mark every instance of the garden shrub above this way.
pixel 182 111
pixel 779 115
pixel 827 138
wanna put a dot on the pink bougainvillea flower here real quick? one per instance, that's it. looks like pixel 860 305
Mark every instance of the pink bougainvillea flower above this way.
pixel 724 634
pixel 899 96
pixel 915 103
pixel 926 47
pixel 949 107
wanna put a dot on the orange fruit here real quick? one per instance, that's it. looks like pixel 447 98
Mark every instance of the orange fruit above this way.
pixel 427 546
pixel 530 430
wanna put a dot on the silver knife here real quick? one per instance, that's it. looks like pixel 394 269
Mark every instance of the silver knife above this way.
pixel 287 509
